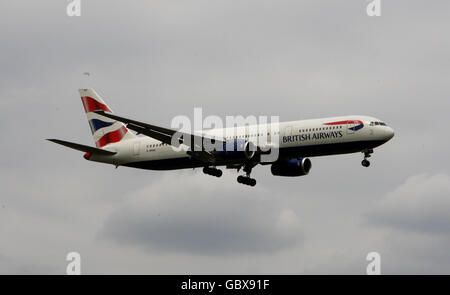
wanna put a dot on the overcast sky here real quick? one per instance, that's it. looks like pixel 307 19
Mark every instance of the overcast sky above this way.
pixel 153 60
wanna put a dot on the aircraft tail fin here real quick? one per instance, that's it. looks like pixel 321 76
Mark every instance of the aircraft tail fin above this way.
pixel 104 130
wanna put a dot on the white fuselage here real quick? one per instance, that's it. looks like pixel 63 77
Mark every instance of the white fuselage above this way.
pixel 304 138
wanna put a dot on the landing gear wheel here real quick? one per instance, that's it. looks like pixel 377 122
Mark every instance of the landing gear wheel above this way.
pixel 365 163
pixel 212 171
pixel 367 154
pixel 246 180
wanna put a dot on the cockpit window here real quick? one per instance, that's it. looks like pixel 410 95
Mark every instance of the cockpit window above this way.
pixel 378 123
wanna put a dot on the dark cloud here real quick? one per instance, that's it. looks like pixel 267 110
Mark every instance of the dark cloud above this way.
pixel 192 218
pixel 415 224
pixel 420 204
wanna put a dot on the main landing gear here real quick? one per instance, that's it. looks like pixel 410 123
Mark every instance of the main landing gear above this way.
pixel 365 162
pixel 212 171
pixel 247 180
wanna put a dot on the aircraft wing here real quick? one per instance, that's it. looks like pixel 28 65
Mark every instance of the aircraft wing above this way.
pixel 165 135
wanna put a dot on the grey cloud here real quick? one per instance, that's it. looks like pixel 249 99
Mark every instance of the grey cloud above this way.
pixel 408 252
pixel 414 223
pixel 192 218
pixel 420 204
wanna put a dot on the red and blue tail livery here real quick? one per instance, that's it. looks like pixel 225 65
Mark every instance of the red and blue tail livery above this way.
pixel 104 130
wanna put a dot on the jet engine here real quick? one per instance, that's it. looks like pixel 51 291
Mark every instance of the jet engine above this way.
pixel 291 167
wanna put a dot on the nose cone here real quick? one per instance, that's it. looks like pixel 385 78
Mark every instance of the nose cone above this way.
pixel 389 133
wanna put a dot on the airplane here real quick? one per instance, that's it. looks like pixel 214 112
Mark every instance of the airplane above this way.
pixel 160 147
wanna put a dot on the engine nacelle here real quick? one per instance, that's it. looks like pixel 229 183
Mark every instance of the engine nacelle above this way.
pixel 291 167
pixel 238 149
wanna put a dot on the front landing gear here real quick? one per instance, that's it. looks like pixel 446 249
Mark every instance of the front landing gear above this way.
pixel 365 162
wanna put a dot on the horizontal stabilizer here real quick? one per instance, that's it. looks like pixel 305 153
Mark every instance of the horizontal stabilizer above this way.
pixel 82 148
